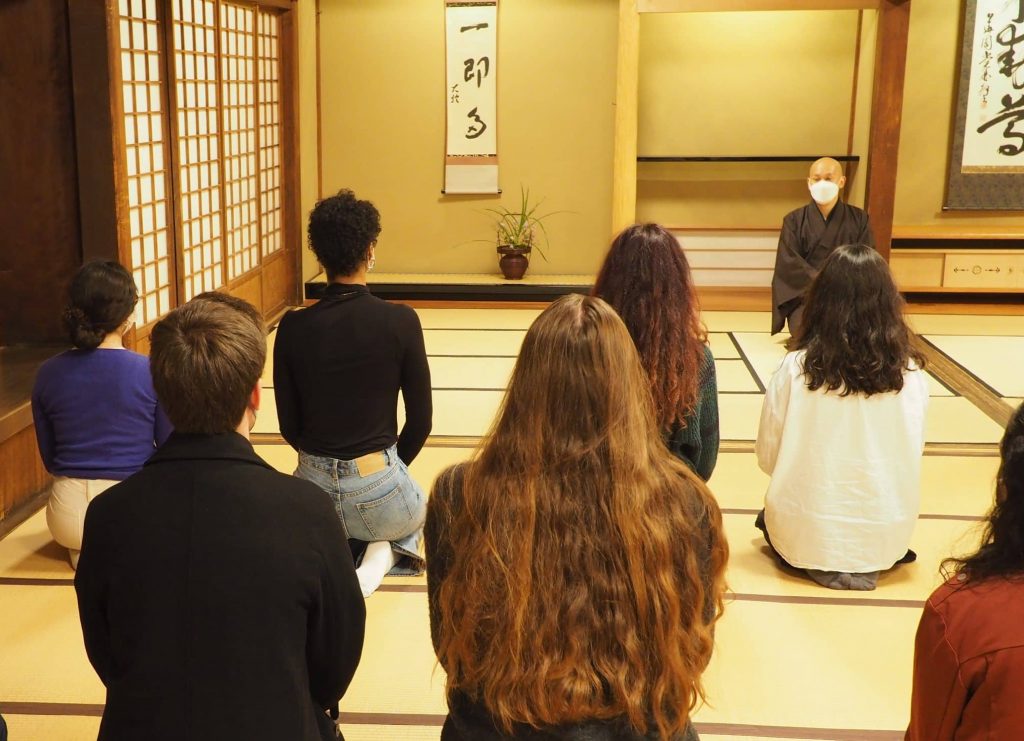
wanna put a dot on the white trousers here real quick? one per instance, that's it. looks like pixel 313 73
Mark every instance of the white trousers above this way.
pixel 65 510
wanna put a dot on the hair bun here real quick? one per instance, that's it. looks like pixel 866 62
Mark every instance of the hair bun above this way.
pixel 83 333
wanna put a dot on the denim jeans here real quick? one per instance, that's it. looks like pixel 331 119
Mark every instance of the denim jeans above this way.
pixel 386 505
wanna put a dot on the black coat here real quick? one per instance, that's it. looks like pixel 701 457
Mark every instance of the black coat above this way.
pixel 218 599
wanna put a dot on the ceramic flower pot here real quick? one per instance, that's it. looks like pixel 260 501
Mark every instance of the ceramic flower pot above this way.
pixel 514 261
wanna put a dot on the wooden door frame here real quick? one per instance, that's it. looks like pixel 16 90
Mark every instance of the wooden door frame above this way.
pixel 886 107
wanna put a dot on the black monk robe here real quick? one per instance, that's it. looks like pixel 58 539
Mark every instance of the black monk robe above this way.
pixel 807 238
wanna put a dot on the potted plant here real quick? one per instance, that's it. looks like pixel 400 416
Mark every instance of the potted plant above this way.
pixel 517 234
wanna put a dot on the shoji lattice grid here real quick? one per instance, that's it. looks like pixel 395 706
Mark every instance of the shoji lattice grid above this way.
pixel 238 101
pixel 144 137
pixel 195 65
pixel 269 120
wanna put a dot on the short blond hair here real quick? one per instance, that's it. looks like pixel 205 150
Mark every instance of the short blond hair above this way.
pixel 205 359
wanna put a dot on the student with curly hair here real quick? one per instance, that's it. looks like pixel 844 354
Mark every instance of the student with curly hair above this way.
pixel 576 567
pixel 969 659
pixel 842 429
pixel 338 368
pixel 646 279
pixel 96 415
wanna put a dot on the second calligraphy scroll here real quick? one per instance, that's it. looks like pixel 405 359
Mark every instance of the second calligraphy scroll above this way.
pixel 471 155
pixel 987 161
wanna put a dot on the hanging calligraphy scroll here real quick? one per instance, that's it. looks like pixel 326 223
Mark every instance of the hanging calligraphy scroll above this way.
pixel 987 161
pixel 471 161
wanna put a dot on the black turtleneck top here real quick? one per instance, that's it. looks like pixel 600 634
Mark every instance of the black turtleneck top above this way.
pixel 338 368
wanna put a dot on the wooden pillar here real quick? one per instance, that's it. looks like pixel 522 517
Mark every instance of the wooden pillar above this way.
pixel 40 246
pixel 104 224
pixel 886 115
pixel 627 81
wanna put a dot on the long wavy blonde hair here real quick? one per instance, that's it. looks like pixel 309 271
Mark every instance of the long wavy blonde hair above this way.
pixel 587 561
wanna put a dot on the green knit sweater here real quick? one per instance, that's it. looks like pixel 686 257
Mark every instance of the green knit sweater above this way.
pixel 695 440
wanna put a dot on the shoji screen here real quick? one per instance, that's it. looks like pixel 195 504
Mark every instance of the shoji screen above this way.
pixel 141 43
pixel 269 121
pixel 198 126
pixel 238 85
pixel 205 134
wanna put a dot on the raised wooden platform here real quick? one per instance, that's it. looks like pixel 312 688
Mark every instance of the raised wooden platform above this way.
pixel 22 475
pixel 464 287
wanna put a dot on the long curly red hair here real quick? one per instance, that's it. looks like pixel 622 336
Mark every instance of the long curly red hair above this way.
pixel 646 279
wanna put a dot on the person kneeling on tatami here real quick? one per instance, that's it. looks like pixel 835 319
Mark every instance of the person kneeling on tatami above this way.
pixel 842 429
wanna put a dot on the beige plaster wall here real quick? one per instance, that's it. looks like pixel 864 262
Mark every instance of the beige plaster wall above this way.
pixel 383 118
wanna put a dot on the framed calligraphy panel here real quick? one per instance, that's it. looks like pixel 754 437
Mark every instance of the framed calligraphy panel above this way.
pixel 471 96
pixel 986 170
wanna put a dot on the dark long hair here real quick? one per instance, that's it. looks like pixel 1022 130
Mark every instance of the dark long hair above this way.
pixel 646 279
pixel 590 562
pixel 103 296
pixel 1002 546
pixel 853 330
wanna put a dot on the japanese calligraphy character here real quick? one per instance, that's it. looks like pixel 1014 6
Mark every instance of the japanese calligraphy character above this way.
pixel 1011 114
pixel 454 94
pixel 477 27
pixel 472 67
pixel 473 132
pixel 1008 64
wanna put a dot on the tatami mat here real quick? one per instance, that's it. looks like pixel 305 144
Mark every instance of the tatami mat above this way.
pixel 790 655
pixel 754 570
pixel 738 321
pixel 266 417
pixel 733 377
pixel 996 361
pixel 487 342
pixel 948 420
pixel 950 485
pixel 355 732
pixel 739 415
pixel 768 669
pixel 42 658
pixel 722 346
pixel 477 318
pixel 30 553
pixel 763 351
pixel 957 420
pixel 826 666
pixel 470 373
pixel 401 678
pixel 967 324
pixel 56 727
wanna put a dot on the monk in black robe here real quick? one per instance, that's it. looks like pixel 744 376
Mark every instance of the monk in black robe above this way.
pixel 809 234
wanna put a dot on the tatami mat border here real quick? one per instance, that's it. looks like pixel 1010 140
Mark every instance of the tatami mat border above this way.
pixel 51 708
pixel 436 720
pixel 744 597
pixel 15 581
pixel 746 361
pixel 922 516
pixel 981 450
pixel 973 388
pixel 34 581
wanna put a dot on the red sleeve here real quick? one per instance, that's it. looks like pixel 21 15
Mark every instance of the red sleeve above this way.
pixel 939 693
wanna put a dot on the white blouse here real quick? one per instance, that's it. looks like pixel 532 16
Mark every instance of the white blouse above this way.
pixel 846 470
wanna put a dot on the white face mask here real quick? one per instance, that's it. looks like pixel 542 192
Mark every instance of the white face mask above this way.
pixel 824 191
